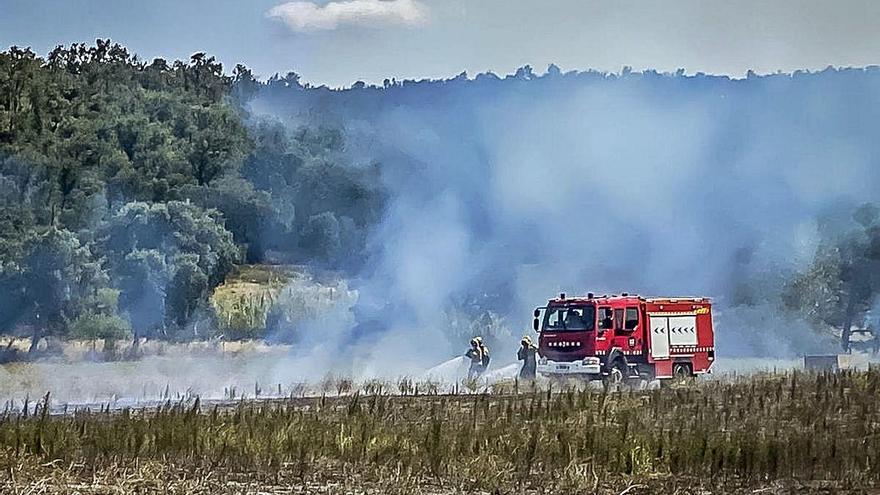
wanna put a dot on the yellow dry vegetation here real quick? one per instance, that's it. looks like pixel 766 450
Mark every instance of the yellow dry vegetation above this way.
pixel 243 302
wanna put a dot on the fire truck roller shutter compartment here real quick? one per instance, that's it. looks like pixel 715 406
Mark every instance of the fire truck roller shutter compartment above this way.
pixel 683 330
pixel 659 326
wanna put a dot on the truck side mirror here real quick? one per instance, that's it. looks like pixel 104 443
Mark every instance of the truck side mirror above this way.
pixel 537 312
pixel 536 324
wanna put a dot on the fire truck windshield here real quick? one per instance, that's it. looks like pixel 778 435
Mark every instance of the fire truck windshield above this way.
pixel 562 318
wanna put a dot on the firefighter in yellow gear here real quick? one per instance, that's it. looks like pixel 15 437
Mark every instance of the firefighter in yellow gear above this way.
pixel 527 353
pixel 479 358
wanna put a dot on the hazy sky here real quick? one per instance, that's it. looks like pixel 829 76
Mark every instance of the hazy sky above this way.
pixel 337 43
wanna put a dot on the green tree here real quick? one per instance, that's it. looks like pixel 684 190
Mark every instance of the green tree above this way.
pixel 248 213
pixel 186 292
pixel 60 279
pixel 163 252
pixel 842 283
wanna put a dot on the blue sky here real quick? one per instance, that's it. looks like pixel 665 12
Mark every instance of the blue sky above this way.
pixel 337 43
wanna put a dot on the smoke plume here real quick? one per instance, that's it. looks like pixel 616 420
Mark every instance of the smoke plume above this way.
pixel 510 190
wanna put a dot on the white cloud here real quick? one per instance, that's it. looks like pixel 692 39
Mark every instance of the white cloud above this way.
pixel 309 17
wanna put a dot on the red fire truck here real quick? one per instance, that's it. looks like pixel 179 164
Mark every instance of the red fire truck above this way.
pixel 626 336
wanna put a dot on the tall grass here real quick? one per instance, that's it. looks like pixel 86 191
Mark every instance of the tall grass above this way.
pixel 743 432
pixel 242 304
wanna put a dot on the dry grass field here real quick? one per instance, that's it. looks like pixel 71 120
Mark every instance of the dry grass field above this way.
pixel 764 433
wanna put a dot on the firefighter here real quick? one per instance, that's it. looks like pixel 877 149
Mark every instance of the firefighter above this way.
pixel 573 319
pixel 484 355
pixel 527 353
pixel 475 354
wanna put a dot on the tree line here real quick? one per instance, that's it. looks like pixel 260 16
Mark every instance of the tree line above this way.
pixel 129 190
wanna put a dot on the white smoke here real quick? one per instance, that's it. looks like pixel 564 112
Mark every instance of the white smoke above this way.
pixel 645 183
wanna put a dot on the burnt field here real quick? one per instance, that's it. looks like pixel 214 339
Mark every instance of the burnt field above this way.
pixel 766 432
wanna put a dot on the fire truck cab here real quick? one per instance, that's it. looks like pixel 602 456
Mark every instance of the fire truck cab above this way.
pixel 626 336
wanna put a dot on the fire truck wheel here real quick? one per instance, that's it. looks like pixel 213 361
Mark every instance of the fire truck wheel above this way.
pixel 681 371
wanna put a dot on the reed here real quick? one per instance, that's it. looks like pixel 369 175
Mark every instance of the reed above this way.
pixel 815 430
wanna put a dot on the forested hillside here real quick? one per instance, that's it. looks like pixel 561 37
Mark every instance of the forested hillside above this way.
pixel 129 189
